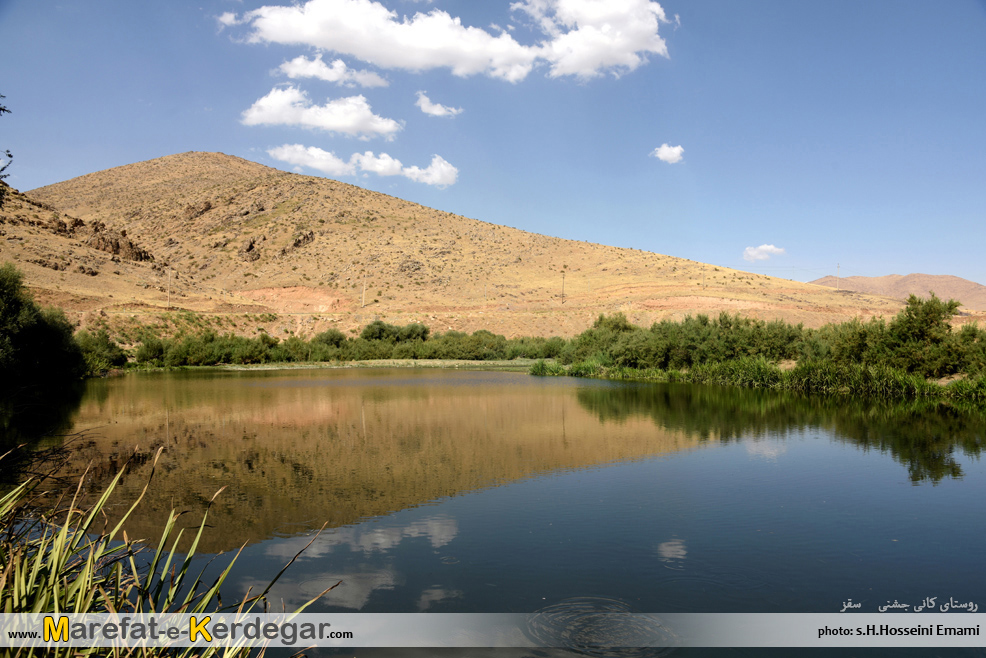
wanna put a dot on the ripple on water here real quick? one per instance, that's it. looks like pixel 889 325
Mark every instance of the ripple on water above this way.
pixel 596 626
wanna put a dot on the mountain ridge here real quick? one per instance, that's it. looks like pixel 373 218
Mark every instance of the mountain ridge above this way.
pixel 224 235
pixel 972 295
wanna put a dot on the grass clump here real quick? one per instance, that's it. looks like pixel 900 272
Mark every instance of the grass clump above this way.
pixel 542 368
pixel 65 558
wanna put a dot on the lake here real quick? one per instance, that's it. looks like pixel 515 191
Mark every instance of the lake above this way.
pixel 464 491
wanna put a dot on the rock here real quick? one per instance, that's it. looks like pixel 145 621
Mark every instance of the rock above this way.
pixel 196 210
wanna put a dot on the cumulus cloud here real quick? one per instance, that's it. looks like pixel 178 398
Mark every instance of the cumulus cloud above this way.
pixel 291 107
pixel 588 37
pixel 313 158
pixel 383 164
pixel 439 173
pixel 337 72
pixel 583 38
pixel 668 153
pixel 435 109
pixel 763 252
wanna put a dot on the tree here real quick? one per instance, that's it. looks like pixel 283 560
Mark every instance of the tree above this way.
pixel 37 350
pixel 3 186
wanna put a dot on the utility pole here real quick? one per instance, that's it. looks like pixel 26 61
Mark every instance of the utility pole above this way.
pixel 169 287
pixel 563 287
pixel 363 299
pixel 837 276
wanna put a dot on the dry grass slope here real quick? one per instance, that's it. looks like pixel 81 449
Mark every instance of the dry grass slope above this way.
pixel 238 237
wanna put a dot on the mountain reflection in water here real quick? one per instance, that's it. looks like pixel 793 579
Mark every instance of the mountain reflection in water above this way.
pixel 296 449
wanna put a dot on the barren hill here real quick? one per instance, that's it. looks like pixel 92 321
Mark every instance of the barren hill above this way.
pixel 971 294
pixel 226 236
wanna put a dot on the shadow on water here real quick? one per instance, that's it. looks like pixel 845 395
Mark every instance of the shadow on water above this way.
pixel 37 422
pixel 924 436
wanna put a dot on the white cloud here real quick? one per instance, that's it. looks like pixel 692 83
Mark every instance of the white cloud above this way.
pixel 338 72
pixel 314 158
pixel 227 19
pixel 584 38
pixel 384 165
pixel 589 37
pixel 435 109
pixel 291 107
pixel 763 252
pixel 668 153
pixel 439 173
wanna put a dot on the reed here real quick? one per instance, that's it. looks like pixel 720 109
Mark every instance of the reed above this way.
pixel 61 559
pixel 542 368
pixel 590 368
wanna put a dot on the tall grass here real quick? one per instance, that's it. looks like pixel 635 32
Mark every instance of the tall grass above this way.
pixel 542 368
pixel 65 558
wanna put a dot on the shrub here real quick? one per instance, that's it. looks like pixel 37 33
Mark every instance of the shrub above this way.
pixel 330 337
pixel 37 349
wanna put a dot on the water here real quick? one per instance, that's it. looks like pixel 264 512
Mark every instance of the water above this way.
pixel 451 491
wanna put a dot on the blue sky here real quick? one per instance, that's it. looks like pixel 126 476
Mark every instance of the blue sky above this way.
pixel 838 132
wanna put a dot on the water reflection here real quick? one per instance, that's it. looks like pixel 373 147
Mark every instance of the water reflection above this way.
pixel 438 531
pixel 926 437
pixel 38 421
pixel 297 449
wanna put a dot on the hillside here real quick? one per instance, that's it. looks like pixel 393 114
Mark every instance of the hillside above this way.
pixel 235 237
pixel 971 294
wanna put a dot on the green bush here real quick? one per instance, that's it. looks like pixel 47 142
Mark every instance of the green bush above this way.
pixel 100 352
pixel 330 337
pixel 151 352
pixel 37 349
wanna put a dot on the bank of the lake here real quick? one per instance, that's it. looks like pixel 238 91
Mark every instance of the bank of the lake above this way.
pixel 513 365
pixel 806 377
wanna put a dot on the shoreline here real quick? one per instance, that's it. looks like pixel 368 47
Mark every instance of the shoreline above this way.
pixel 501 365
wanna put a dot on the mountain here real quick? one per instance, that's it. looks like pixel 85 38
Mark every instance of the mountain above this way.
pixel 253 246
pixel 971 294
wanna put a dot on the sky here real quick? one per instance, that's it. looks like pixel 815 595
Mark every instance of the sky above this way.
pixel 793 139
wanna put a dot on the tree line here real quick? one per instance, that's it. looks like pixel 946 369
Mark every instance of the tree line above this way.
pixel 39 348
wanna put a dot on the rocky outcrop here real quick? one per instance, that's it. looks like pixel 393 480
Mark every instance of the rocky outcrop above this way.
pixel 300 241
pixel 194 210
pixel 116 243
pixel 250 251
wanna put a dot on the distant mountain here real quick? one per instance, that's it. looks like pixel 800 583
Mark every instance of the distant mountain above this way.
pixel 224 236
pixel 971 294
